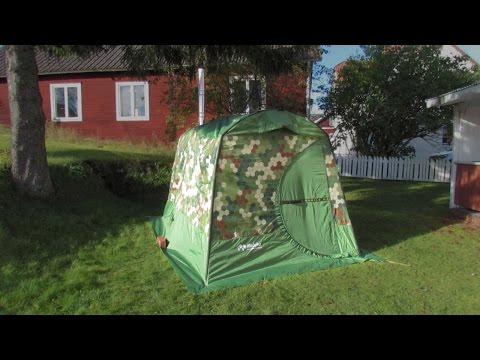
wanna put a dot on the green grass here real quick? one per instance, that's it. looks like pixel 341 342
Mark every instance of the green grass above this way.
pixel 64 146
pixel 88 251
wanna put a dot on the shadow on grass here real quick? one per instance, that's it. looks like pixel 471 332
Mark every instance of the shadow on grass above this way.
pixel 385 213
pixel 79 155
pixel 40 236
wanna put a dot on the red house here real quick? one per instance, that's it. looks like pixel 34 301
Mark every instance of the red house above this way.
pixel 97 96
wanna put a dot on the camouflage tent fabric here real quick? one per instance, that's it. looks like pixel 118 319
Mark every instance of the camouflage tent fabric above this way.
pixel 254 197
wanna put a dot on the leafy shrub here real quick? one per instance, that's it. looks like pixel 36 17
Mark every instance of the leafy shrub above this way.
pixel 124 177
pixel 121 177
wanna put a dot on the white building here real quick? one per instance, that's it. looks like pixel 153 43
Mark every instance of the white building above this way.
pixel 465 179
pixel 440 141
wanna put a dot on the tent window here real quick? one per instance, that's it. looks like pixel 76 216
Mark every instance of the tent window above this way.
pixel 247 94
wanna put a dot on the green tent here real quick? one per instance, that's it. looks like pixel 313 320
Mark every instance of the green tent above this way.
pixel 253 197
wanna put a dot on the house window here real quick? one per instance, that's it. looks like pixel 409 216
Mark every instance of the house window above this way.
pixel 247 94
pixel 66 102
pixel 446 136
pixel 132 101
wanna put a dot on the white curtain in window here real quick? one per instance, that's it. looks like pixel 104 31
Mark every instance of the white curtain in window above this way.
pixel 125 105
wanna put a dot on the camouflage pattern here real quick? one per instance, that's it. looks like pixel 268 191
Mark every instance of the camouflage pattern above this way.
pixel 335 190
pixel 192 178
pixel 247 176
pixel 251 198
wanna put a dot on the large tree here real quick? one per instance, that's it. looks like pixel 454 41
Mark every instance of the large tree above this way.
pixel 29 163
pixel 29 158
pixel 379 97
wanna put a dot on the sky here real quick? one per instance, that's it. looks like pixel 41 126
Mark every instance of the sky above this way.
pixel 472 50
pixel 338 53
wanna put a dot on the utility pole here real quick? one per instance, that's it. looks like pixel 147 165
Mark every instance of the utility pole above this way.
pixel 201 96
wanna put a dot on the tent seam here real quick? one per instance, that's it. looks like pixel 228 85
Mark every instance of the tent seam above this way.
pixel 340 244
pixel 219 143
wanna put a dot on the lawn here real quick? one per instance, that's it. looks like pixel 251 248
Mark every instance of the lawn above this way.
pixel 90 251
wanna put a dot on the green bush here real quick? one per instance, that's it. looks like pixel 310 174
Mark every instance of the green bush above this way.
pixel 75 181
pixel 124 177
pixel 121 177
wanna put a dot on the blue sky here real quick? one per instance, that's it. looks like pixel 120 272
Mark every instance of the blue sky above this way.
pixel 472 50
pixel 339 53
pixel 335 55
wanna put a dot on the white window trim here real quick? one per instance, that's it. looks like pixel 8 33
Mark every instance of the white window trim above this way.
pixel 331 122
pixel 79 100
pixel 263 89
pixel 147 100
pixel 443 132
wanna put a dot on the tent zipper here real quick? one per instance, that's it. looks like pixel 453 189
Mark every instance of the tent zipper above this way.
pixel 299 201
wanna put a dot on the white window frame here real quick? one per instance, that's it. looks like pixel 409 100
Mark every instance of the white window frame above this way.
pixel 331 122
pixel 146 92
pixel 263 89
pixel 53 108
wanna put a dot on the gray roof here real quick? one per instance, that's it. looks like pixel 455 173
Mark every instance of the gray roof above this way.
pixel 104 61
pixel 316 118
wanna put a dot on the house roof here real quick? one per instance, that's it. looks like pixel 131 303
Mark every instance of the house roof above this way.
pixel 316 118
pixel 104 61
pixel 455 96
pixel 340 66
pixel 472 60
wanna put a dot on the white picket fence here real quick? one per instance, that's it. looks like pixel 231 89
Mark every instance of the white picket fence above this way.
pixel 416 169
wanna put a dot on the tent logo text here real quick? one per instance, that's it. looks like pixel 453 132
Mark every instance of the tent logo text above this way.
pixel 249 247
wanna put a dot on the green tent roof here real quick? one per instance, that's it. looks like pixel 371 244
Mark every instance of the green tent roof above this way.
pixel 257 123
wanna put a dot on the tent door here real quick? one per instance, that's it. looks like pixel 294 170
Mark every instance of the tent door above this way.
pixel 304 202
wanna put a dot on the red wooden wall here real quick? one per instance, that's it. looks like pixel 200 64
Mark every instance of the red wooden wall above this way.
pixel 99 107
pixel 467 186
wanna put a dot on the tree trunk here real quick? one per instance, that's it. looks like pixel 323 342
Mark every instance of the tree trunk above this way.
pixel 29 158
